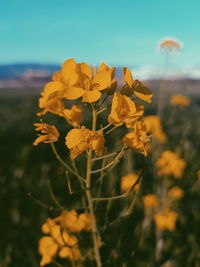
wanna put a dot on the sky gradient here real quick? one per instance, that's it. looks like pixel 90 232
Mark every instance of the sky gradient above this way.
pixel 121 32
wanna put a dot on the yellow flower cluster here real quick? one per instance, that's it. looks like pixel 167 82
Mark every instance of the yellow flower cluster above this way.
pixel 150 201
pixel 166 220
pixel 79 140
pixel 180 100
pixel 79 80
pixel 170 164
pixel 176 193
pixel 59 239
pixel 153 126
pixel 127 181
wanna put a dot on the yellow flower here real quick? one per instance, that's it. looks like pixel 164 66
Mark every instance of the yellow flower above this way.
pixel 74 115
pixel 124 110
pixel 150 201
pixel 67 80
pixel 135 87
pixel 93 84
pixel 198 174
pixel 48 249
pixel 166 220
pixel 127 181
pixel 153 125
pixel 71 253
pixel 49 134
pixel 180 100
pixel 86 219
pixel 170 164
pixel 53 105
pixel 137 139
pixel 113 84
pixel 79 140
pixel 176 193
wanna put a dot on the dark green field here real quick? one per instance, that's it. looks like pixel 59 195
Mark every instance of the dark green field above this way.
pixel 26 173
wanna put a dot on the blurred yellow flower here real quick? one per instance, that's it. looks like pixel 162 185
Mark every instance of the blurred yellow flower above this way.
pixel 170 164
pixel 71 253
pixel 79 140
pixel 137 139
pixel 180 100
pixel 135 87
pixel 166 220
pixel 49 134
pixel 153 125
pixel 176 193
pixel 48 249
pixel 127 181
pixel 124 110
pixel 198 174
pixel 150 201
pixel 74 115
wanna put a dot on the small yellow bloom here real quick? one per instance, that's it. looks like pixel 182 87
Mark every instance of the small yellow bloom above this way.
pixel 166 220
pixel 71 253
pixel 180 100
pixel 153 125
pixel 93 84
pixel 170 164
pixel 79 140
pixel 86 219
pixel 74 115
pixel 113 84
pixel 176 193
pixel 150 201
pixel 137 139
pixel 127 181
pixel 48 249
pixel 135 87
pixel 124 110
pixel 49 134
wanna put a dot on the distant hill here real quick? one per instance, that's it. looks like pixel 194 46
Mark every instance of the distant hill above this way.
pixel 12 71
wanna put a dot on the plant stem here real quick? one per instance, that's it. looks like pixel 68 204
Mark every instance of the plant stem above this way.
pixel 95 234
pixel 64 163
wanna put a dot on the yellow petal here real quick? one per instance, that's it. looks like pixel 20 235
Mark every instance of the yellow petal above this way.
pixel 69 71
pixel 91 96
pixel 143 93
pixel 101 80
pixel 72 92
pixel 86 69
pixel 128 76
pixel 52 87
pixel 73 138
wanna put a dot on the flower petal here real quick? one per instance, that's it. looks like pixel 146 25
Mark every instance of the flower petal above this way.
pixel 143 93
pixel 91 96
pixel 101 80
pixel 128 76
pixel 72 92
pixel 69 71
pixel 73 138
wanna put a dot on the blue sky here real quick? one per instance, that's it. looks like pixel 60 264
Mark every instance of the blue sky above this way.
pixel 121 32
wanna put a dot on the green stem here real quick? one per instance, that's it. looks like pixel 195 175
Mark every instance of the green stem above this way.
pixel 65 164
pixel 95 234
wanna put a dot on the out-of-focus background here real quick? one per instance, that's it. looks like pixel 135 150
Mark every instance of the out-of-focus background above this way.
pixel 35 39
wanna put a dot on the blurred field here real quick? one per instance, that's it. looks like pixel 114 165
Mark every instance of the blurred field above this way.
pixel 26 169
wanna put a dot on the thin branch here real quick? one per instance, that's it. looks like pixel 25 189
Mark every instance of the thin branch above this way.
pixel 106 156
pixel 109 131
pixel 119 196
pixel 105 127
pixel 114 162
pixel 64 163
pixel 53 197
